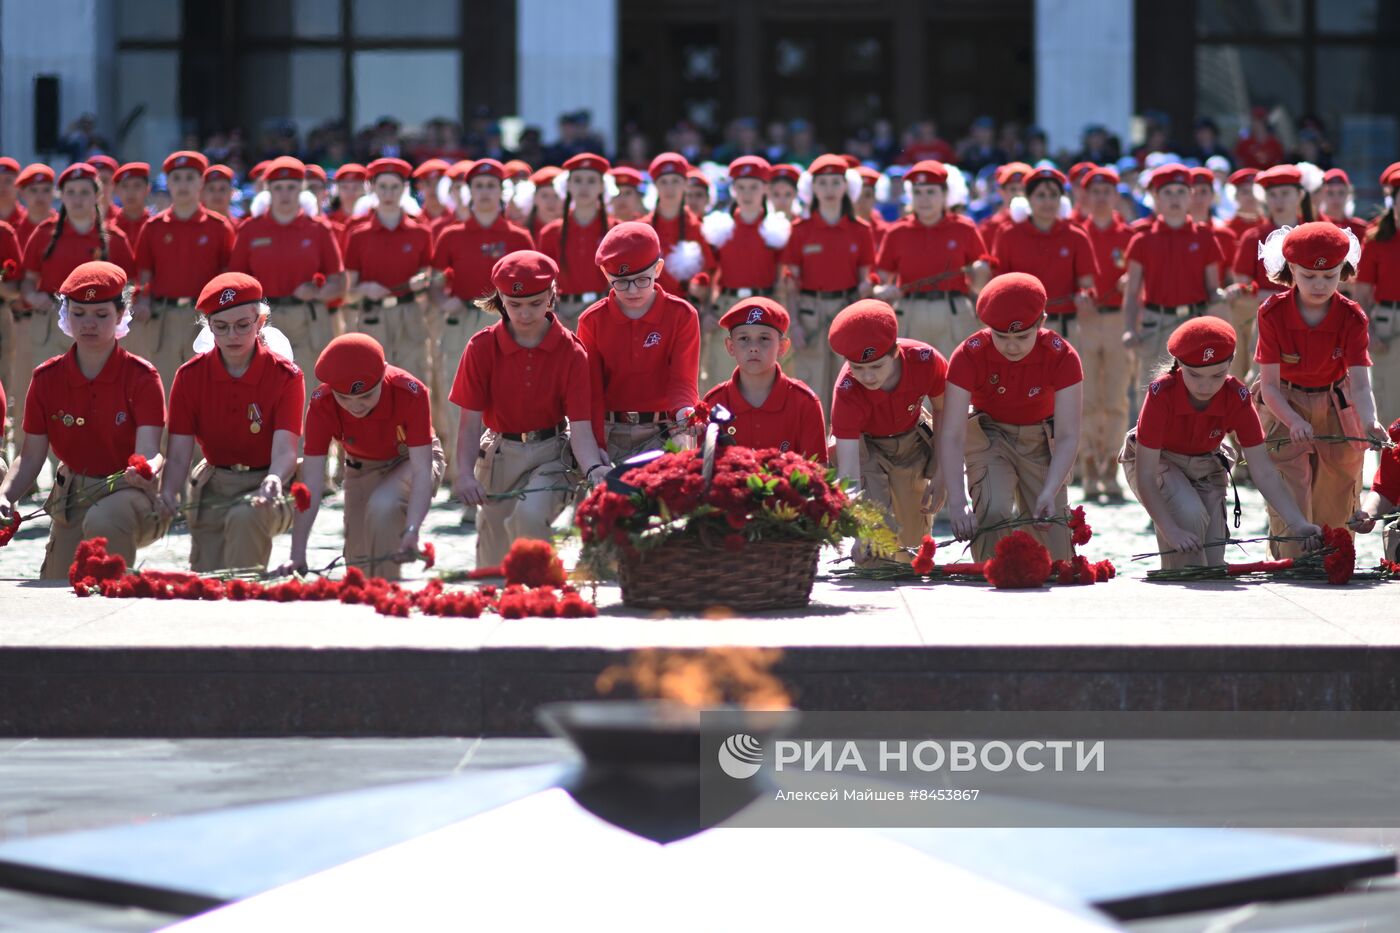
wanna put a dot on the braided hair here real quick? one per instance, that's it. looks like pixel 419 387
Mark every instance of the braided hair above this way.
pixel 104 251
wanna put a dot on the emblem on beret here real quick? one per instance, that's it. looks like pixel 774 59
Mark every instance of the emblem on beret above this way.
pixel 1015 326
pixel 90 294
pixel 622 269
pixel 653 340
pixel 1033 392
pixel 785 446
pixel 755 316
pixel 1208 354
pixel 925 354
pixel 1320 262
pixel 121 417
pixel 867 354
pixel 227 295
pixel 181 161
pixel 517 287
pixel 357 387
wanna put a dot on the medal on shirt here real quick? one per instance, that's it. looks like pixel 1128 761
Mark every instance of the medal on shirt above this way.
pixel 402 439
pixel 254 418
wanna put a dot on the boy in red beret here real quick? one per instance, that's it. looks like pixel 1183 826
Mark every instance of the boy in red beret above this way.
pixel 1314 375
pixel 643 347
pixel 381 416
pixel 526 378
pixel 769 408
pixel 884 434
pixel 1175 458
pixel 1024 385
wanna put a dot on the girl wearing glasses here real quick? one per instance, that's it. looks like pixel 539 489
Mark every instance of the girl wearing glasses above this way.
pixel 241 398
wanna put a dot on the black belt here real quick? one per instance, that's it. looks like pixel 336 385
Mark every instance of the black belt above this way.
pixel 291 301
pixel 1389 306
pixel 639 417
pixel 936 294
pixel 1105 309
pixel 542 435
pixel 388 301
pixel 240 468
pixel 453 321
pixel 844 293
pixel 169 303
pixel 1311 390
pixel 742 293
pixel 1191 310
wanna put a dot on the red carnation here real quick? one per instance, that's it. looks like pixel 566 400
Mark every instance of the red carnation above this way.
pixel 301 496
pixel 1340 563
pixel 923 561
pixel 533 563
pixel 1259 566
pixel 1080 531
pixel 428 553
pixel 447 276
pixel 699 415
pixel 873 278
pixel 92 560
pixel 141 465
pixel 8 532
pixel 978 569
pixel 318 280
pixel 8 270
pixel 1021 562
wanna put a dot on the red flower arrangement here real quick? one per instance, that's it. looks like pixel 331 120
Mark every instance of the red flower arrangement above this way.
pixel 923 561
pixel 1079 528
pixel 1339 564
pixel 1081 571
pixel 699 415
pixel 141 465
pixel 1021 562
pixel 301 496
pixel 533 563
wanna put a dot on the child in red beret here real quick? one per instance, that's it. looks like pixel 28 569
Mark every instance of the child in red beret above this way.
pixel 381 416
pixel 1024 385
pixel 526 378
pixel 1178 443
pixel 884 434
pixel 643 347
pixel 1314 375
pixel 770 409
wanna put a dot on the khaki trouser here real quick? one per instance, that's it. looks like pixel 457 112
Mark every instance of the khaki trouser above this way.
pixel 1006 468
pixel 1323 477
pixel 17 375
pixel 403 333
pixel 627 440
pixel 166 340
pixel 571 306
pixel 1194 488
pixel 1244 318
pixel 456 331
pixel 895 472
pixel 1098 336
pixel 1385 369
pixel 942 322
pixel 231 536
pixel 816 363
pixel 1156 329
pixel 1390 540
pixel 716 365
pixel 376 510
pixel 507 466
pixel 308 330
pixel 81 507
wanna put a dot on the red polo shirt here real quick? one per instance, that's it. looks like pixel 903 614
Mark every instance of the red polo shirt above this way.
pixel 520 389
pixel 131 226
pixel 183 255
pixel 879 226
pixel 1380 267
pixel 829 257
pixel 221 411
pixel 73 250
pixel 745 260
pixel 1247 262
pixel 91 423
pixel 1022 392
pixel 470 250
pixel 401 420
pixel 1387 478
pixel 389 257
pixel 1240 225
pixel 11 249
pixel 578 274
pixel 16 216
pixel 1312 356
pixel 650 364
pixel 1356 225
pixel 669 232
pixel 790 418
pixel 991 227
pixel 913 250
pixel 856 410
pixel 1174 262
pixel 1059 257
pixel 1110 256
pixel 25 227
pixel 1228 244
pixel 284 256
pixel 1169 420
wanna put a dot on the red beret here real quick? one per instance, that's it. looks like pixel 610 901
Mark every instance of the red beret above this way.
pixel 751 166
pixel 927 172
pixel 8 164
pixel 867 174
pixel 458 170
pixel 524 272
pixel 77 171
pixel 1169 173
pixel 864 331
pixel 787 172
pixel 351 364
pixel 1011 303
pixel 229 290
pixel 625 176
pixel 94 283
pixel 285 168
pixel 1318 245
pixel 756 311
pixel 1279 176
pixel 1202 341
pixel 698 176
pixel 432 168
pixel 1336 176
pixel 518 168
pixel 486 167
pixel 668 163
pixel 851 161
pixel 1243 176
pixel 351 171
pixel 1202 176
pixel 1078 170
pixel 185 159
pixel 628 248
pixel 219 171
pixel 389 167
pixel 1105 173
pixel 103 162
pixel 587 161
pixel 138 169
pixel 315 171
pixel 543 176
pixel 827 165
pixel 1391 174
pixel 1046 174
pixel 258 171
pixel 33 173
pixel 1012 172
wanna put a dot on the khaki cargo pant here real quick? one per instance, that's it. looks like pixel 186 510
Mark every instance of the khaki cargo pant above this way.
pixel 36 339
pixel 403 332
pixel 308 329
pixel 626 440
pixel 1244 318
pixel 456 331
pixel 1390 540
pixel 1151 350
pixel 507 466
pixel 1385 368
pixel 571 306
pixel 1006 466
pixel 376 510
pixel 942 322
pixel 166 340
pixel 895 472
pixel 1194 488
pixel 231 536
pixel 817 364
pixel 81 507
pixel 1107 369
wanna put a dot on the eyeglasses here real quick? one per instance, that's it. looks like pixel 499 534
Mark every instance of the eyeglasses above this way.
pixel 223 328
pixel 639 282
